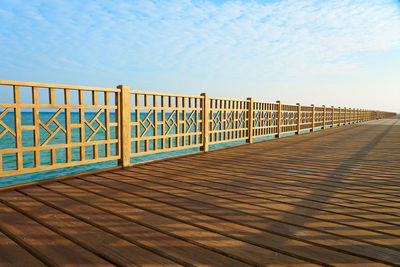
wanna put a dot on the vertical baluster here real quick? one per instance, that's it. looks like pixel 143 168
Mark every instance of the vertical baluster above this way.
pixel 184 122
pixel 82 124
pixel 36 119
pixel 163 122
pixel 137 115
pixel 18 130
pixel 155 121
pixel 298 118
pixel 312 118
pixel 52 101
pixel 250 120
pixel 205 121
pixel 190 136
pixel 279 118
pixel 67 125
pixel 177 121
pixel 107 123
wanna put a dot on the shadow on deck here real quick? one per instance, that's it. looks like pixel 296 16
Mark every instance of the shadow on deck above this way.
pixel 327 198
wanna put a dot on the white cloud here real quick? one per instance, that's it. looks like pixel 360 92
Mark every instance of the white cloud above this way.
pixel 235 39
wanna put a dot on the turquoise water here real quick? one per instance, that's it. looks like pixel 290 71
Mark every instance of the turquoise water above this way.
pixel 8 141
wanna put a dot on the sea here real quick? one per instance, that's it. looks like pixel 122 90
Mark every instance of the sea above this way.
pixel 8 141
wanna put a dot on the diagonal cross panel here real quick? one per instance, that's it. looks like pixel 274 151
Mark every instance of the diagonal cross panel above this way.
pixel 48 130
pixel 229 120
pixel 100 124
pixel 5 126
pixel 90 125
pixel 93 134
pixel 147 119
pixel 216 119
pixel 190 121
pixel 6 130
pixel 4 112
pixel 52 134
pixel 241 119
pixel 54 117
pixel 171 119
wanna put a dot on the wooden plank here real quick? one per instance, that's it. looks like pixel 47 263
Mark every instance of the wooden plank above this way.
pixel 294 171
pixel 12 253
pixel 322 187
pixel 251 216
pixel 182 246
pixel 294 190
pixel 197 227
pixel 270 205
pixel 51 248
pixel 312 250
pixel 103 244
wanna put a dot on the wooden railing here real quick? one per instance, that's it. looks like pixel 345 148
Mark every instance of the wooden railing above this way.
pixel 74 125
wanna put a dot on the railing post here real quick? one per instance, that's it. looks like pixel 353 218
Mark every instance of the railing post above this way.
pixel 352 116
pixel 205 121
pixel 125 128
pixel 323 127
pixel 250 121
pixel 278 134
pixel 356 115
pixel 313 118
pixel 361 115
pixel 298 118
pixel 333 116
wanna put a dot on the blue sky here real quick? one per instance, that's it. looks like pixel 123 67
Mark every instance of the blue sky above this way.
pixel 337 52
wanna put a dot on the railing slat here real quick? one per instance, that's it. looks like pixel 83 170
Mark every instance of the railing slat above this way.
pixel 18 130
pixel 162 122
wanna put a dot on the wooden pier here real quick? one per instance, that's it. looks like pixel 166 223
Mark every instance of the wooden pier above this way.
pixel 327 198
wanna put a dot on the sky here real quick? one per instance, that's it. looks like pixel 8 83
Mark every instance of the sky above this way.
pixel 337 52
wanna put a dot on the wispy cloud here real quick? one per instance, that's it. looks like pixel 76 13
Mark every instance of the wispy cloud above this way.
pixel 257 39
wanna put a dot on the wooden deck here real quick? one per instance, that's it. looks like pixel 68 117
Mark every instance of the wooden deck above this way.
pixel 328 198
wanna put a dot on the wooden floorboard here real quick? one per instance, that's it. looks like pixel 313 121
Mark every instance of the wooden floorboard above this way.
pixel 327 198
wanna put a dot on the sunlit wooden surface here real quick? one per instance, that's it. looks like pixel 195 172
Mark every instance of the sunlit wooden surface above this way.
pixel 327 198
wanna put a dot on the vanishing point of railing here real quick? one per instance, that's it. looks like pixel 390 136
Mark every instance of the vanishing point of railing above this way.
pixel 49 126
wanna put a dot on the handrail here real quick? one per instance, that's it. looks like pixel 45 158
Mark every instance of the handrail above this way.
pixel 119 123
